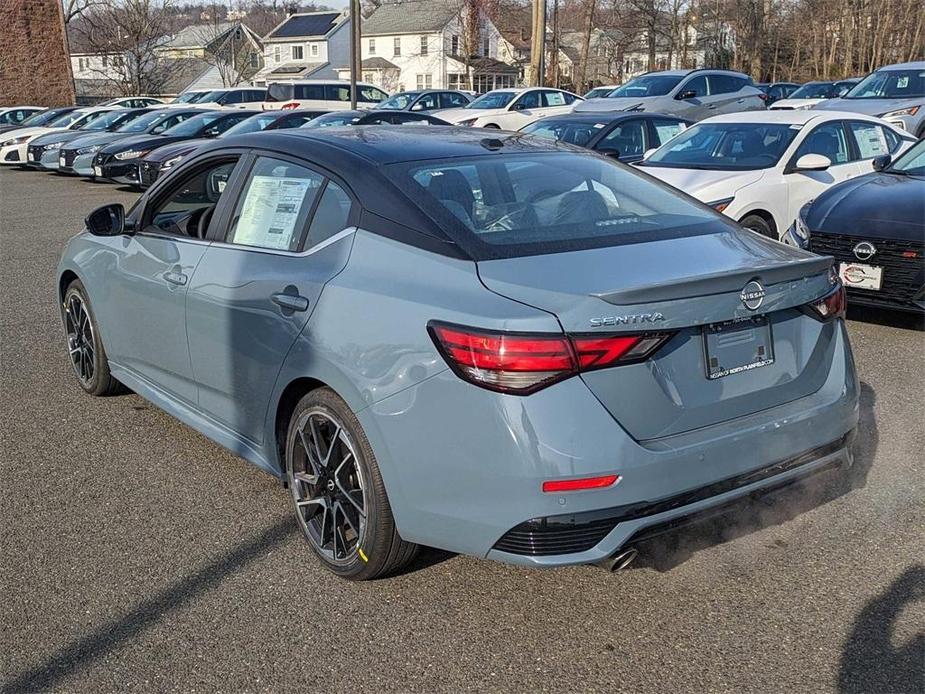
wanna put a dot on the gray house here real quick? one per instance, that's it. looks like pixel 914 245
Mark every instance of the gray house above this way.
pixel 306 45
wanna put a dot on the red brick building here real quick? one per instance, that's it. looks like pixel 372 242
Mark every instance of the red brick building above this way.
pixel 35 68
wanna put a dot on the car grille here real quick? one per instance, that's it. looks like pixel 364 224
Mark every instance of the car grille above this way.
pixel 903 275
pixel 35 151
pixel 69 155
pixel 148 172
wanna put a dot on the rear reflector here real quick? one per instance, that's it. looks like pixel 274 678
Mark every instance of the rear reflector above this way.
pixel 523 363
pixel 292 105
pixel 832 305
pixel 552 486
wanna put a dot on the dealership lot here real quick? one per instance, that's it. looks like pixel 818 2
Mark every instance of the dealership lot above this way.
pixel 139 555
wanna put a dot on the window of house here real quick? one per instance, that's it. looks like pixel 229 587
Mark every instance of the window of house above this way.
pixel 105 61
pixel 486 46
pixel 454 45
pixel 298 52
pixel 396 46
pixel 254 60
pixel 314 49
pixel 372 46
pixel 425 81
pixel 276 54
pixel 423 45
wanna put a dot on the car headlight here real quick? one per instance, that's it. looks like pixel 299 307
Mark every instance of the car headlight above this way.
pixel 803 107
pixel 132 154
pixel 800 227
pixel 468 121
pixel 89 150
pixel 15 141
pixel 53 145
pixel 911 111
pixel 173 161
pixel 721 205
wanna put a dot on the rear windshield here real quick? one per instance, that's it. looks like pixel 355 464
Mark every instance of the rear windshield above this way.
pixel 725 147
pixel 527 203
pixel 815 90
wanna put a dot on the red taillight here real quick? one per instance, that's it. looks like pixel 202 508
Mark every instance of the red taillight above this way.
pixel 763 96
pixel 290 105
pixel 551 486
pixel 910 254
pixel 522 363
pixel 832 305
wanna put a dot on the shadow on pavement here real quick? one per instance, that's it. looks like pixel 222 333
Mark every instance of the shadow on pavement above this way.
pixel 870 661
pixel 114 634
pixel 891 319
pixel 753 513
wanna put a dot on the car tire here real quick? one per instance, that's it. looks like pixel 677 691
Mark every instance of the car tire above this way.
pixel 758 224
pixel 337 491
pixel 84 344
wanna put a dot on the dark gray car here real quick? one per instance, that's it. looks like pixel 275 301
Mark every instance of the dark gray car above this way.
pixel 690 94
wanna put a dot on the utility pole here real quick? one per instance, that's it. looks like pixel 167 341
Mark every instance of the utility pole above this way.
pixel 538 44
pixel 355 64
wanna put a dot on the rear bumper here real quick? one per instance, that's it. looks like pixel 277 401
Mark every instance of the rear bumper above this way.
pixel 477 475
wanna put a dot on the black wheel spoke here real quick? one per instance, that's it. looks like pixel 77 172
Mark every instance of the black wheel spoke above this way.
pixel 80 344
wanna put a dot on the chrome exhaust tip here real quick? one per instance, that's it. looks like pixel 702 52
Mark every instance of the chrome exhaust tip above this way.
pixel 620 560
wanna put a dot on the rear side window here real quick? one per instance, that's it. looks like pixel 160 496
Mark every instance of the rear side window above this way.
pixel 309 92
pixel 334 92
pixel 275 205
pixel 726 84
pixel 452 100
pixel 331 216
pixel 665 129
pixel 521 204
pixel 280 92
pixel 870 139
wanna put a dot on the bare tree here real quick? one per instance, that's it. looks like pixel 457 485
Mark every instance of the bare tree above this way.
pixel 229 47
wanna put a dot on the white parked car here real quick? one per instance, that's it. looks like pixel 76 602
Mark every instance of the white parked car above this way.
pixel 236 97
pixel 511 109
pixel 13 145
pixel 320 95
pixel 14 115
pixel 813 93
pixel 761 168
pixel 133 102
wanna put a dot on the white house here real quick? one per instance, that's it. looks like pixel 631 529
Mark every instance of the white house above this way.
pixel 421 44
pixel 308 44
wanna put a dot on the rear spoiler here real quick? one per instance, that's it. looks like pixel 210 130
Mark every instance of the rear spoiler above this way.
pixel 720 282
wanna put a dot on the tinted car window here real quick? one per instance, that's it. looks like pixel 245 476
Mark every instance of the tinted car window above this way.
pixel 452 100
pixel 334 92
pixel 869 138
pixel 574 132
pixel 516 204
pixel 726 84
pixel 176 212
pixel 725 146
pixel 628 138
pixel 307 92
pixel 828 140
pixel 330 216
pixel 369 95
pixel 274 207
pixel 528 100
pixel 698 85
pixel 426 102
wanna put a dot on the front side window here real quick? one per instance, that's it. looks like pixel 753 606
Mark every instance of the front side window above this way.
pixel 574 132
pixel 399 102
pixel 452 100
pixel 193 126
pixel 628 139
pixel 181 210
pixel 370 95
pixel 274 207
pixel 426 103
pixel 828 140
pixel 528 100
pixel 698 86
pixel 870 139
pixel 725 146
pixel 890 84
pixel 519 204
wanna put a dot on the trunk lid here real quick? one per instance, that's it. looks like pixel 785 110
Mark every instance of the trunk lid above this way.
pixel 684 286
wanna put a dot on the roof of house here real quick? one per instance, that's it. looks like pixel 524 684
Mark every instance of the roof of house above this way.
pixel 485 65
pixel 294 69
pixel 198 35
pixel 409 17
pixel 306 25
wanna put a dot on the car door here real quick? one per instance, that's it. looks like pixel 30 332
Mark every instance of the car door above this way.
pixel 259 282
pixel 155 265
pixel 692 99
pixel 831 141
pixel 525 109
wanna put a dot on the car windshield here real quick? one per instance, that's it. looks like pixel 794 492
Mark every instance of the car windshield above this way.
pixel 890 84
pixel 40 118
pixel 814 90
pixel 67 119
pixel 647 85
pixel 576 132
pixel 598 92
pixel 492 100
pixel 106 120
pixel 725 146
pixel 912 163
pixel 503 205
pixel 330 120
pixel 85 119
pixel 251 125
pixel 211 96
pixel 193 125
pixel 142 123
pixel 399 102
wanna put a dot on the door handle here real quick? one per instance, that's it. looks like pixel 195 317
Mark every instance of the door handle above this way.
pixel 177 278
pixel 711 106
pixel 290 302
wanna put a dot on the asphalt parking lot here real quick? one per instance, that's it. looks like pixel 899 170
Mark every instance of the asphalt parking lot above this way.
pixel 138 556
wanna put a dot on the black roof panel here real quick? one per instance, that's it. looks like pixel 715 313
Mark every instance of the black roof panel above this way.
pixel 306 25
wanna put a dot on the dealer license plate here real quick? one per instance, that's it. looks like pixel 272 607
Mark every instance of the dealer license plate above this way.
pixel 30 156
pixel 97 170
pixel 738 345
pixel 861 276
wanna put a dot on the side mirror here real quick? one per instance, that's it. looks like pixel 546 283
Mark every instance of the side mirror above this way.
pixel 211 132
pixel 813 162
pixel 519 107
pixel 612 153
pixel 108 220
pixel 881 162
pixel 686 94
pixel 649 153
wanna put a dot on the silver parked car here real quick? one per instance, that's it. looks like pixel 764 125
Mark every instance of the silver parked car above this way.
pixel 895 93
pixel 490 343
pixel 690 94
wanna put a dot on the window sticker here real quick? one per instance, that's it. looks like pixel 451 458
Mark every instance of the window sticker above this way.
pixel 555 99
pixel 871 140
pixel 271 209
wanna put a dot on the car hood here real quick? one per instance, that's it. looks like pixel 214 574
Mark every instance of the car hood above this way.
pixel 794 103
pixel 140 142
pixel 177 148
pixel 88 139
pixel 869 107
pixel 33 132
pixel 454 115
pixel 878 204
pixel 706 186
pixel 606 104
pixel 58 136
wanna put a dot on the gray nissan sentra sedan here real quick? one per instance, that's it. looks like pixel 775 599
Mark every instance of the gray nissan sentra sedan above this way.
pixel 466 339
